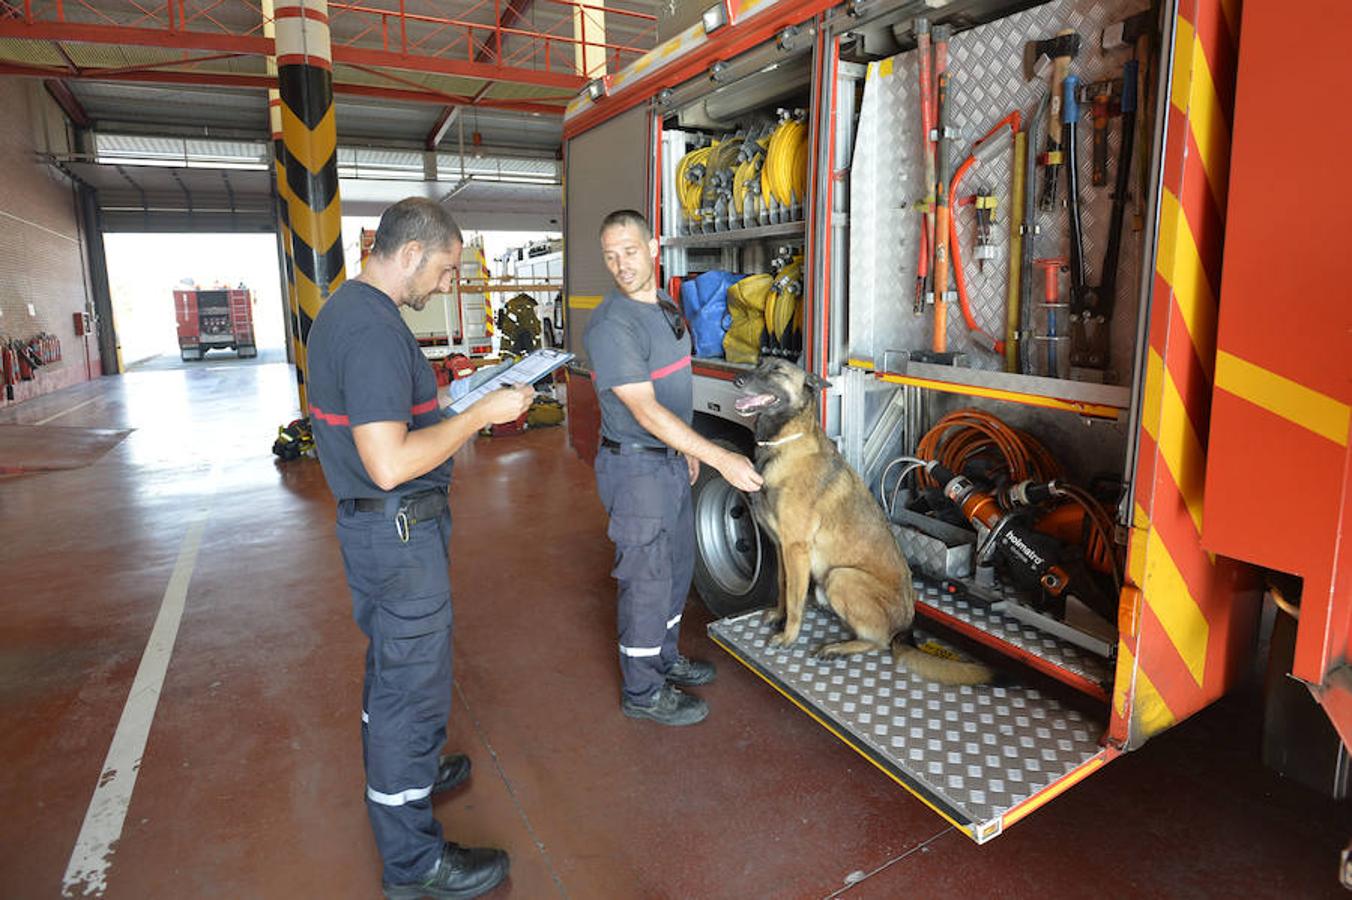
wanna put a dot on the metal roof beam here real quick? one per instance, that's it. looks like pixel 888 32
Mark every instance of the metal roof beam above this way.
pixel 69 103
pixel 444 123
pixel 513 12
pixel 249 45
pixel 226 79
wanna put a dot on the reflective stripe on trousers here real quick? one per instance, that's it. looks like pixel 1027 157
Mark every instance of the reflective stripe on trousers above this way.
pixel 647 496
pixel 401 600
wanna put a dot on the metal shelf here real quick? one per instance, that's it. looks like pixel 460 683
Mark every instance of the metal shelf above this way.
pixel 736 235
pixel 1103 401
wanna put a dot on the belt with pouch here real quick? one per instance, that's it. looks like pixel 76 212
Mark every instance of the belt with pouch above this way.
pixel 408 510
pixel 617 447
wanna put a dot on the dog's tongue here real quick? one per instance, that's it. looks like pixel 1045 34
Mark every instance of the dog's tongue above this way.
pixel 754 402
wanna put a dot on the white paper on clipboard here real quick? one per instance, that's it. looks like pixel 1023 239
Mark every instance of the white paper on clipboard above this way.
pixel 528 370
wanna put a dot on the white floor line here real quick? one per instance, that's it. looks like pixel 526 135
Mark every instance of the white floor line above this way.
pixel 87 871
pixel 65 411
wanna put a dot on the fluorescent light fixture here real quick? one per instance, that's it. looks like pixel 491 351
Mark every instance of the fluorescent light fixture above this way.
pixel 714 18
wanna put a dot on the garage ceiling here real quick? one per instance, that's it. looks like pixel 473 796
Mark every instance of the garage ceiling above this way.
pixel 500 70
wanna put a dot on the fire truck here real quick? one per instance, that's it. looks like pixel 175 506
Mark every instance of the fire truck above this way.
pixel 1037 243
pixel 218 319
pixel 459 322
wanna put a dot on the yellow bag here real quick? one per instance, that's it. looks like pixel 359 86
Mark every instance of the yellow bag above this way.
pixel 746 308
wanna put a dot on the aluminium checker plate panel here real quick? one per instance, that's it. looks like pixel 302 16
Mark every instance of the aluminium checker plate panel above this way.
pixel 1059 653
pixel 973 753
pixel 987 82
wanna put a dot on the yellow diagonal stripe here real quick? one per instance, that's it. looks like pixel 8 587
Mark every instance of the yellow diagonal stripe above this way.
pixel 1194 93
pixel 1136 550
pixel 280 172
pixel 1148 709
pixel 312 148
pixel 318 229
pixel 1166 420
pixel 1167 594
pixel 1142 519
pixel 885 68
pixel 1182 450
pixel 1153 394
pixel 1180 264
pixel 307 295
pixel 1283 397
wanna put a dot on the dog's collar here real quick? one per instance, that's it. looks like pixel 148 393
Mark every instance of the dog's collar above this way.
pixel 784 440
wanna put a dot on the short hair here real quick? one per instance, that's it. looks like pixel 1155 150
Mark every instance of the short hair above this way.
pixel 621 218
pixel 416 219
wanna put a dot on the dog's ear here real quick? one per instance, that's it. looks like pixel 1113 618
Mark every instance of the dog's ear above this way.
pixel 816 382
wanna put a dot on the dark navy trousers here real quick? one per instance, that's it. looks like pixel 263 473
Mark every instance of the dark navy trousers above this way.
pixel 647 496
pixel 401 600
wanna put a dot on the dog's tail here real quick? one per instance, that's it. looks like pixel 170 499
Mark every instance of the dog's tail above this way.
pixel 931 667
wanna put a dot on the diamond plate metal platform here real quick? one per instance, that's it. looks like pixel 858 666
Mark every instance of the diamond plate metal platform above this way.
pixel 981 756
pixel 1060 659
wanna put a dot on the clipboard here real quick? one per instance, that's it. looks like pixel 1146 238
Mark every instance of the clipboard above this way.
pixel 527 370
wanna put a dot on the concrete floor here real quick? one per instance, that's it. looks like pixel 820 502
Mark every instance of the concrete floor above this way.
pixel 251 783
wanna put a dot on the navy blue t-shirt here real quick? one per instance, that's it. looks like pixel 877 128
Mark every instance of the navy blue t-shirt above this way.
pixel 629 341
pixel 365 366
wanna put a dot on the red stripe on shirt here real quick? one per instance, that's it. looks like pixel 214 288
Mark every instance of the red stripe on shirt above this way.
pixel 677 366
pixel 328 418
pixel 425 407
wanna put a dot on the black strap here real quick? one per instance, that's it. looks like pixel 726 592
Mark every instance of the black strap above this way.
pixel 617 447
pixel 422 501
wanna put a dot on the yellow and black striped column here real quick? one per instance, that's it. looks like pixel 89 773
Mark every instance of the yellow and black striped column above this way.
pixel 310 145
pixel 283 212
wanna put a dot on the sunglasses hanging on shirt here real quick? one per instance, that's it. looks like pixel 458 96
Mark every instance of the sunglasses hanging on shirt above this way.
pixel 673 316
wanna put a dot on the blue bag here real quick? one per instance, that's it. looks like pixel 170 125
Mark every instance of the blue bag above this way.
pixel 705 301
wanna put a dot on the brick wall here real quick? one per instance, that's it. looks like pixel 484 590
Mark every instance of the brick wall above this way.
pixel 43 278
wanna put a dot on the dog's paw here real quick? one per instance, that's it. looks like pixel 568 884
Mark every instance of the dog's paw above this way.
pixel 782 639
pixel 773 616
pixel 825 651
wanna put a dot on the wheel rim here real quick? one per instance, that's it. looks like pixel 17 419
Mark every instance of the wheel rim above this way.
pixel 729 539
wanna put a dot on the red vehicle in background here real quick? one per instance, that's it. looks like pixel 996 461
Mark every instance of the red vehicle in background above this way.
pixel 217 319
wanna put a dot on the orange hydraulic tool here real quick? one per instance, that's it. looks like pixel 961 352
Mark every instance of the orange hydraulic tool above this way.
pixel 939 343
pixel 981 154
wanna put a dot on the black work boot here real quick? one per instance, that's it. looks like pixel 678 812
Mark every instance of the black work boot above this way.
pixel 690 672
pixel 669 706
pixel 452 771
pixel 461 873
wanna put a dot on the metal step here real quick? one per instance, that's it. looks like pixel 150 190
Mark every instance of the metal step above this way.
pixel 983 757
pixel 985 623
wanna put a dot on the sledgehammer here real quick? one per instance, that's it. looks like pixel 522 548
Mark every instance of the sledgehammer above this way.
pixel 1060 50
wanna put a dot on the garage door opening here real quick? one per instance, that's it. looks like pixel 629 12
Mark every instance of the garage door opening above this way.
pixel 144 271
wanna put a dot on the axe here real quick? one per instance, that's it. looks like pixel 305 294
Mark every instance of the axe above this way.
pixel 1060 50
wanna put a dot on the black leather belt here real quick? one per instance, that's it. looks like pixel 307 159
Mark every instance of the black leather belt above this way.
pixel 407 510
pixel 617 447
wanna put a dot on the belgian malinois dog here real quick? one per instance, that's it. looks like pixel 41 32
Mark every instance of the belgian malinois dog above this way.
pixel 832 534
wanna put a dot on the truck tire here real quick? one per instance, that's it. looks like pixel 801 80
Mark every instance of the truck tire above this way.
pixel 736 566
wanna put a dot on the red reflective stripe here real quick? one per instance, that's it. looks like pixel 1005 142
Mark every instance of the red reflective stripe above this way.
pixel 328 418
pixel 677 366
pixel 425 407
